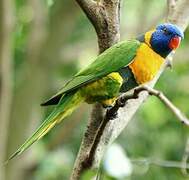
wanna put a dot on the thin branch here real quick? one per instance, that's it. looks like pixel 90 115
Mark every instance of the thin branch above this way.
pixel 159 162
pixel 181 117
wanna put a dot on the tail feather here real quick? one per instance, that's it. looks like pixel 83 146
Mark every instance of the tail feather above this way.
pixel 67 104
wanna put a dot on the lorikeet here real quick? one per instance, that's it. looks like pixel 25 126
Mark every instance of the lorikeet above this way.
pixel 120 68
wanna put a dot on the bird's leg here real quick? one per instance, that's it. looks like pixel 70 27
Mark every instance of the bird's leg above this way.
pixel 108 103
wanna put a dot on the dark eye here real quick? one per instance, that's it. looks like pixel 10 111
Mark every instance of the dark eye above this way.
pixel 166 32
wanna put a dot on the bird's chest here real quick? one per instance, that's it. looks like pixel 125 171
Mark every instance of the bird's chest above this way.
pixel 146 64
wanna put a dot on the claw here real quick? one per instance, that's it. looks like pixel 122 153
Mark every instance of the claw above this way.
pixel 112 115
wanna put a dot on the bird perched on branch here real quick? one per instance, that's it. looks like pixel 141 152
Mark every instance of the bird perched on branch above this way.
pixel 120 68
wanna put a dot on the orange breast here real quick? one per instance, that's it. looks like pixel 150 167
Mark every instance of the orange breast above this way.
pixel 146 64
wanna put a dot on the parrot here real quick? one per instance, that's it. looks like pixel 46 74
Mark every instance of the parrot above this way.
pixel 120 68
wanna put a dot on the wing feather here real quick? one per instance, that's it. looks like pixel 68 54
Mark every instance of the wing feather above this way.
pixel 114 58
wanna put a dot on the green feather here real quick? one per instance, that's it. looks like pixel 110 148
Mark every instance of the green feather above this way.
pixel 111 60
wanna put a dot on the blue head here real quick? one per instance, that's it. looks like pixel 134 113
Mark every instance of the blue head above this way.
pixel 165 38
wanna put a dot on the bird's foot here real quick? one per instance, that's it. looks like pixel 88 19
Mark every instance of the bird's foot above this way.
pixel 111 114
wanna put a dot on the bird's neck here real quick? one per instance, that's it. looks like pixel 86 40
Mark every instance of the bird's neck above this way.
pixel 146 38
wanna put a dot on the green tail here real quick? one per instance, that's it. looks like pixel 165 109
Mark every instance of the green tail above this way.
pixel 65 107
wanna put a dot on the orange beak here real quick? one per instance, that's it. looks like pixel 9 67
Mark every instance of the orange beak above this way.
pixel 174 42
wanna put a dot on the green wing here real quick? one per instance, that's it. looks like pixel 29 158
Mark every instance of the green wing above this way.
pixel 114 58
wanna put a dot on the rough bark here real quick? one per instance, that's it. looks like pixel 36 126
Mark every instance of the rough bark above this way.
pixel 105 17
pixel 180 17
pixel 6 72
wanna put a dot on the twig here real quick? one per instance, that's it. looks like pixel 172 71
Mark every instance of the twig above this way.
pixel 181 117
pixel 159 162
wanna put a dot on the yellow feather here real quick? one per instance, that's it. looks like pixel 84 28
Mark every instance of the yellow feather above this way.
pixel 146 64
pixel 148 36
pixel 116 76
pixel 45 131
pixel 109 102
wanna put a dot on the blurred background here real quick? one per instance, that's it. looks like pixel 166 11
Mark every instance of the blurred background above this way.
pixel 42 45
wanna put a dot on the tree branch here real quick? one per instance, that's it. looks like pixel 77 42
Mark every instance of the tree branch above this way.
pixel 180 15
pixel 104 15
pixel 171 5
pixel 89 7
pixel 105 18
